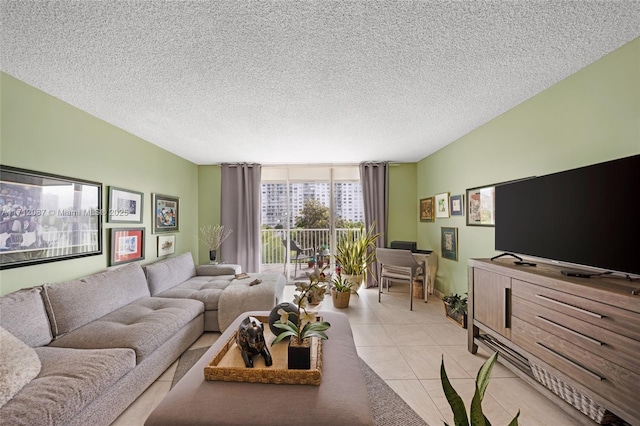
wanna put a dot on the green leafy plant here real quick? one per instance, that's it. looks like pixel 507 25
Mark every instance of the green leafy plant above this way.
pixel 476 416
pixel 342 285
pixel 306 326
pixel 457 304
pixel 356 251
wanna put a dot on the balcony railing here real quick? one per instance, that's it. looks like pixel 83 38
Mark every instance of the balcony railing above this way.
pixel 273 250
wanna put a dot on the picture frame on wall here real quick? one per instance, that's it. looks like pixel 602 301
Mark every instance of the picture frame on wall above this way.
pixel 127 245
pixel 426 209
pixel 125 206
pixel 166 213
pixel 166 245
pixel 481 206
pixel 47 217
pixel 449 243
pixel 457 205
pixel 442 205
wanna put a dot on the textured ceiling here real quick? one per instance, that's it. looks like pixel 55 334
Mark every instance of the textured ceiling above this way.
pixel 305 82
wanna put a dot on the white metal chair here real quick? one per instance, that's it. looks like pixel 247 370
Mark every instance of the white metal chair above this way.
pixel 398 265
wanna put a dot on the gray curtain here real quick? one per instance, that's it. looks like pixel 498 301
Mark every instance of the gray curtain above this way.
pixel 240 212
pixel 374 177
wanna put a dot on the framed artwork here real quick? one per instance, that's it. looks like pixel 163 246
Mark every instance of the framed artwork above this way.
pixel 426 210
pixel 457 205
pixel 442 205
pixel 166 245
pixel 47 218
pixel 481 206
pixel 449 243
pixel 125 206
pixel 166 213
pixel 127 245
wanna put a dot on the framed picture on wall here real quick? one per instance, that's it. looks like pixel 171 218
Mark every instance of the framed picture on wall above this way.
pixel 166 245
pixel 166 213
pixel 125 206
pixel 47 218
pixel 449 243
pixel 442 205
pixel 426 210
pixel 457 205
pixel 127 245
pixel 481 206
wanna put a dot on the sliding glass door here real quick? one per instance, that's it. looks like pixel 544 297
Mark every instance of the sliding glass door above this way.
pixel 303 211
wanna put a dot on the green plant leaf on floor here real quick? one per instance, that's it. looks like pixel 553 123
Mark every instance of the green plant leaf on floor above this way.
pixel 457 405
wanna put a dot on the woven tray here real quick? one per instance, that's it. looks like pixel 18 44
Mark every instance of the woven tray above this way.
pixel 582 402
pixel 227 365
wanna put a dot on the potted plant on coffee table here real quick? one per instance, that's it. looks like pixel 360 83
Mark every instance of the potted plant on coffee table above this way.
pixel 356 252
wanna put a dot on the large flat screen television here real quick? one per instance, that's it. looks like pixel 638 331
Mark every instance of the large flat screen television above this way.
pixel 588 216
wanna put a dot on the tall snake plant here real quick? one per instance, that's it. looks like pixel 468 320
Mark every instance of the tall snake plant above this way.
pixel 476 415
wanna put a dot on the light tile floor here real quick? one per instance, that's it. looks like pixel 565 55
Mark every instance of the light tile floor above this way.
pixel 405 348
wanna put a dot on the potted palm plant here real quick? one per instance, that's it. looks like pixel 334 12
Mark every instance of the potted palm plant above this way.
pixel 356 252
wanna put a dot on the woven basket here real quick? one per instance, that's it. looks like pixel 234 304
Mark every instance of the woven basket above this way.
pixel 227 364
pixel 582 402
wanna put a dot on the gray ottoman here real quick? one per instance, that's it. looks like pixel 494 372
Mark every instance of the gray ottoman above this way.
pixel 340 399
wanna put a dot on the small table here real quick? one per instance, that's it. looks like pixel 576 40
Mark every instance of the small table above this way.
pixel 340 399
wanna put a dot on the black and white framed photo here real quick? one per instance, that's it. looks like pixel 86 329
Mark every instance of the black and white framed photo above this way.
pixel 47 218
pixel 125 206
pixel 166 213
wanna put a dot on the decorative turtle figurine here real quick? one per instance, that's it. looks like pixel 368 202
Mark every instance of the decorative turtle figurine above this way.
pixel 251 342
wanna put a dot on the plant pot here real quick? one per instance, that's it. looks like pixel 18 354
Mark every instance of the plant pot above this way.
pixel 356 280
pixel 340 298
pixel 212 255
pixel 458 318
pixel 299 354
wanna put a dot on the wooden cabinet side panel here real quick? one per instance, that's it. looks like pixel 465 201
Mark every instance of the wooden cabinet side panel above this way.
pixel 491 300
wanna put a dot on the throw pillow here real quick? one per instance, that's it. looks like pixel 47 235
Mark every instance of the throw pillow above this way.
pixel 20 364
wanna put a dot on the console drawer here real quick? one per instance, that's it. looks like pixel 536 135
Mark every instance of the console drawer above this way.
pixel 604 378
pixel 604 343
pixel 593 312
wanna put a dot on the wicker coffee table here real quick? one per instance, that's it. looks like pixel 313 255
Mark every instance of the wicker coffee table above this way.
pixel 340 399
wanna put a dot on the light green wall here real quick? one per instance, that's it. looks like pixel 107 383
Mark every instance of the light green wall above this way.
pixel 403 204
pixel 590 117
pixel 209 201
pixel 39 132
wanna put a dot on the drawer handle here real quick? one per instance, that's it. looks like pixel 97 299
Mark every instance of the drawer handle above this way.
pixel 507 314
pixel 575 333
pixel 566 305
pixel 570 361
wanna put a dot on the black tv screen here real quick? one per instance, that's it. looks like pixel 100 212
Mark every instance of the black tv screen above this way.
pixel 587 216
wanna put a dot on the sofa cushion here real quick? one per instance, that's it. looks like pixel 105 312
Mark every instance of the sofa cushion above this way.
pixel 20 365
pixel 73 304
pixel 206 289
pixel 69 380
pixel 168 273
pixel 143 325
pixel 24 316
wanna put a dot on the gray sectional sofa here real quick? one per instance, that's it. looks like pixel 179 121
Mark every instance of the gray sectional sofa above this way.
pixel 80 352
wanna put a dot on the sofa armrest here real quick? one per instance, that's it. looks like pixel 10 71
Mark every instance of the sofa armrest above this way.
pixel 220 269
